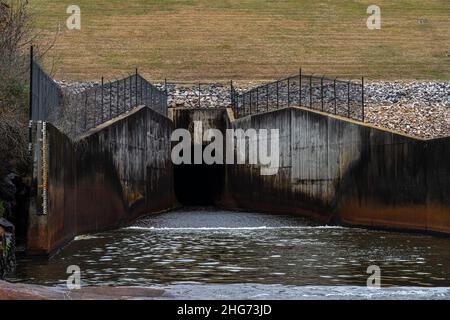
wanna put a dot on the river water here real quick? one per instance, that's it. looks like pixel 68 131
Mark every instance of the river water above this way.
pixel 208 253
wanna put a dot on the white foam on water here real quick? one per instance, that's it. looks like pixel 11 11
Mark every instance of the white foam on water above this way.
pixel 86 237
pixel 282 292
pixel 231 228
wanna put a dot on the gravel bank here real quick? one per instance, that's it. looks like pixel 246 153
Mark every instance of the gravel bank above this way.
pixel 420 109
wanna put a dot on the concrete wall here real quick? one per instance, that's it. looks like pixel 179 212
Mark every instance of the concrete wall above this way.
pixel 210 118
pixel 335 169
pixel 110 176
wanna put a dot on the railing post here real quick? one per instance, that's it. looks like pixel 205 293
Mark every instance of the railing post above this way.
pixel 131 93
pixel 151 96
pixel 199 96
pixel 124 94
pixel 335 98
pixel 300 88
pixel 348 99
pixel 237 106
pixel 76 119
pixel 239 112
pixel 30 111
pixel 41 95
pixel 257 99
pixel 165 89
pixel 145 95
pixel 289 91
pixel 102 99
pixel 85 109
pixel 267 97
pixel 136 86
pixel 142 91
pixel 321 92
pixel 250 93
pixel 278 102
pixel 110 100
pixel 95 106
pixel 231 95
pixel 310 91
pixel 117 97
pixel 362 98
pixel 72 128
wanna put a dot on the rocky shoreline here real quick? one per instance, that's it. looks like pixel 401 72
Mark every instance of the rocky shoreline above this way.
pixel 420 109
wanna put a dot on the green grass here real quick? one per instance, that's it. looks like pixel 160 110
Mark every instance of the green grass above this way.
pixel 250 39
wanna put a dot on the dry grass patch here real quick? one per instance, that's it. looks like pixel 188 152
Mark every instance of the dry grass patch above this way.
pixel 251 39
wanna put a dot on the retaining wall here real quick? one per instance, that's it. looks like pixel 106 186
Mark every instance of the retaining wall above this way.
pixel 338 170
pixel 108 177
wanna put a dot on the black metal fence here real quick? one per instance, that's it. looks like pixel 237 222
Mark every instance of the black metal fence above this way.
pixel 76 112
pixel 91 107
pixel 45 94
pixel 343 98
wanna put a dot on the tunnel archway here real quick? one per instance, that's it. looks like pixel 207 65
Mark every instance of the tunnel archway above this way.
pixel 199 184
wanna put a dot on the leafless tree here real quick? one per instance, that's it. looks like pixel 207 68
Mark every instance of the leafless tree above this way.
pixel 16 35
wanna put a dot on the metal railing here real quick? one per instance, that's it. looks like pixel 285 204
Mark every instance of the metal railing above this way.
pixel 77 112
pixel 45 94
pixel 339 97
pixel 105 101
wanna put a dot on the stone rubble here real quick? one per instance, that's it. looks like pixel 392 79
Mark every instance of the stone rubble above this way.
pixel 214 95
pixel 420 109
pixel 416 108
pixel 427 93
pixel 416 119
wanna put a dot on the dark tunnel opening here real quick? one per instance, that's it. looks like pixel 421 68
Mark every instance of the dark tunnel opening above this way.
pixel 199 184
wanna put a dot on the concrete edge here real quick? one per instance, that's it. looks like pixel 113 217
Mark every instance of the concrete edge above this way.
pixel 108 123
pixel 353 121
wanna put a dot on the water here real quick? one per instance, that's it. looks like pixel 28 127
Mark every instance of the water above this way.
pixel 208 253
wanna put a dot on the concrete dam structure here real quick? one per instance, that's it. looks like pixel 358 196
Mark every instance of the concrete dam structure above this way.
pixel 332 168
pixel 105 179
pixel 342 171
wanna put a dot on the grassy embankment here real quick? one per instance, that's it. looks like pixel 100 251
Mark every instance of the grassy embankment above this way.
pixel 250 39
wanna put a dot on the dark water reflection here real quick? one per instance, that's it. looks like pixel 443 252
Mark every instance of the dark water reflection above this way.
pixel 205 246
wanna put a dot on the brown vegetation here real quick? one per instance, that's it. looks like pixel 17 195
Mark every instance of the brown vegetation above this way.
pixel 15 36
pixel 251 39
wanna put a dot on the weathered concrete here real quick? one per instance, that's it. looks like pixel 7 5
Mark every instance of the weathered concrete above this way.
pixel 210 118
pixel 110 176
pixel 331 168
pixel 335 169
